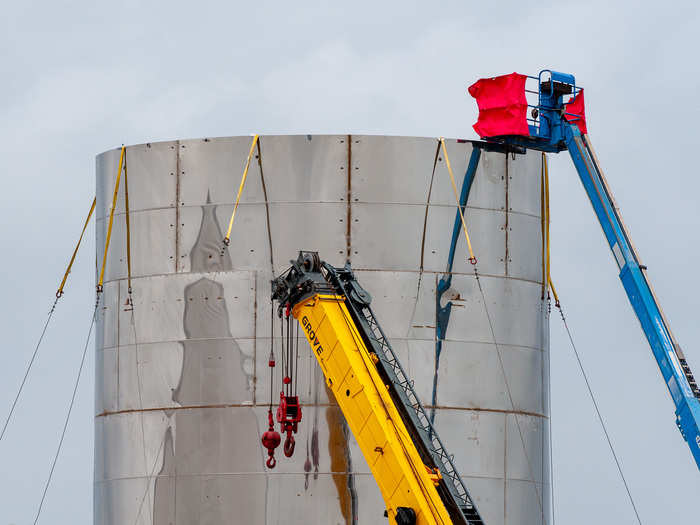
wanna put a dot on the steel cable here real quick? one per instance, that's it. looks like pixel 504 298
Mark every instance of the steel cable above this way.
pixel 70 409
pixel 600 416
pixel 549 411
pixel 510 395
pixel 29 367
pixel 153 471
pixel 59 294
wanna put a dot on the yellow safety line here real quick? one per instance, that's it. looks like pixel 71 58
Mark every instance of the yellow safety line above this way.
pixel 546 195
pixel 128 231
pixel 472 259
pixel 111 221
pixel 227 239
pixel 59 293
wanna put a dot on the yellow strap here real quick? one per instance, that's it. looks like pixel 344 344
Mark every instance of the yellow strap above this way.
pixel 472 259
pixel 546 195
pixel 111 221
pixel 59 293
pixel 128 231
pixel 227 239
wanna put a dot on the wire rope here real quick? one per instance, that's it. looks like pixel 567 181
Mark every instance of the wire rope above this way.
pixel 59 294
pixel 148 481
pixel 68 414
pixel 29 367
pixel 598 413
pixel 510 395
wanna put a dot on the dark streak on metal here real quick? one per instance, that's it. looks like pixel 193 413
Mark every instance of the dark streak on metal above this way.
pixel 267 206
pixel 427 205
pixel 422 242
pixel 348 218
pixel 175 408
pixel 177 206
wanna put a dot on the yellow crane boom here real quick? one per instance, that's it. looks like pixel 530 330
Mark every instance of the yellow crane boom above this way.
pixel 416 476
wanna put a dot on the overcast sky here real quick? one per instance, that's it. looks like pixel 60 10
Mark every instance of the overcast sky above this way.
pixel 78 78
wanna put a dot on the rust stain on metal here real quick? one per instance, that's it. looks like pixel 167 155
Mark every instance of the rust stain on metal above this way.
pixel 267 206
pixel 341 467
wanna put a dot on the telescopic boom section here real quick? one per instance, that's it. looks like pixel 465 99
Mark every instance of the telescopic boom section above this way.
pixel 556 126
pixel 416 476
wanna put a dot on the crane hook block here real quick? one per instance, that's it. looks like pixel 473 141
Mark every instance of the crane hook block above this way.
pixel 288 416
pixel 271 440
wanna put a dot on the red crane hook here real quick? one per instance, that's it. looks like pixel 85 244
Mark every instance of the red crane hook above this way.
pixel 271 440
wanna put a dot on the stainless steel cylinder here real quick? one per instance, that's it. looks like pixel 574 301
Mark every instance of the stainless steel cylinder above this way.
pixel 183 383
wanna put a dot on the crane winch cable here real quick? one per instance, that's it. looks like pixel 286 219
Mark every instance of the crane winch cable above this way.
pixel 59 294
pixel 227 239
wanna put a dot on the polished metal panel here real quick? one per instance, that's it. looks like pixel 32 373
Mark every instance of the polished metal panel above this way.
pixel 182 378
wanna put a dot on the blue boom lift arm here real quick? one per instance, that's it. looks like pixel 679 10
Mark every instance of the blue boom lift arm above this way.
pixel 553 129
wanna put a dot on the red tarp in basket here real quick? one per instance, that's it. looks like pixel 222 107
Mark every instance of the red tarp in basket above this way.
pixel 502 105
pixel 577 110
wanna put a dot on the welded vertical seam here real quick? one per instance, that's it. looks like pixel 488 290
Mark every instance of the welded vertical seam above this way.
pixel 436 360
pixel 119 298
pixel 505 463
pixel 348 218
pixel 505 258
pixel 177 206
pixel 255 333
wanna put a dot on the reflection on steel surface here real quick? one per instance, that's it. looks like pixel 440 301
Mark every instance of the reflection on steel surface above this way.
pixel 201 382
pixel 212 363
